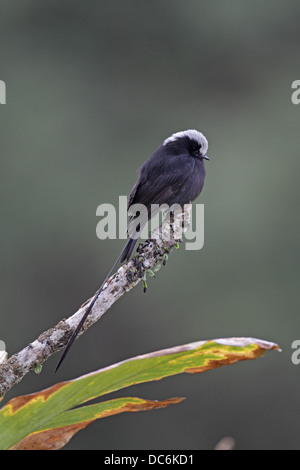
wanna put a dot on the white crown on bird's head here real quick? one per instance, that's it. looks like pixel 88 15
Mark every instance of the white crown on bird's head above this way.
pixel 192 134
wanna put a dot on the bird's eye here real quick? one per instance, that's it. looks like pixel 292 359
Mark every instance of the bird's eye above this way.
pixel 195 150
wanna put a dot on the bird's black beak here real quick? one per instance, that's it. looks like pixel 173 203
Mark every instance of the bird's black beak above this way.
pixel 206 157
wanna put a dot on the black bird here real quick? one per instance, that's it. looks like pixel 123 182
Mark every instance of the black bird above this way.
pixel 173 174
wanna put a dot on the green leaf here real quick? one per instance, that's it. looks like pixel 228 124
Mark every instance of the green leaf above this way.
pixel 150 272
pixel 44 410
pixel 56 433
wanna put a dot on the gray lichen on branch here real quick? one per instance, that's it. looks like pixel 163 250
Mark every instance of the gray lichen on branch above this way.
pixel 150 255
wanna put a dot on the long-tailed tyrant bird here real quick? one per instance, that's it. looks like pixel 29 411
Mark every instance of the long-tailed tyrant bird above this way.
pixel 173 174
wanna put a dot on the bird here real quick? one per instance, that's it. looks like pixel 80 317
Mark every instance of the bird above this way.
pixel 173 174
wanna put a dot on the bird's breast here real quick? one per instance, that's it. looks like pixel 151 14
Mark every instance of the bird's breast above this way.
pixel 194 184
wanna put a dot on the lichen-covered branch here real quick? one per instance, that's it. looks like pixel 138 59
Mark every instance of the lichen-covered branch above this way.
pixel 150 255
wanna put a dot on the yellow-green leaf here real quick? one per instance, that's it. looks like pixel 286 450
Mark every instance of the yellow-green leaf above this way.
pixel 27 414
pixel 59 431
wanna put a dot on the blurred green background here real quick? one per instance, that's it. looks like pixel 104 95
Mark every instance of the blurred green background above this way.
pixel 92 89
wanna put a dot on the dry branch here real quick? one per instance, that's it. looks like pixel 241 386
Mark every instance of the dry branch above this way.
pixel 149 254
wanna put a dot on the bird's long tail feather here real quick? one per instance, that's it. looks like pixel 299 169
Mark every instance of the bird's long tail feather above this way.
pixel 125 254
pixel 127 250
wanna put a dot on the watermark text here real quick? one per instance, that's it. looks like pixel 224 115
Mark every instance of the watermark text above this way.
pixel 115 224
pixel 296 94
pixel 2 92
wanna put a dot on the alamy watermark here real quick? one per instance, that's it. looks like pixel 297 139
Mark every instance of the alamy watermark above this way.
pixel 3 353
pixel 143 221
pixel 296 354
pixel 296 94
pixel 2 92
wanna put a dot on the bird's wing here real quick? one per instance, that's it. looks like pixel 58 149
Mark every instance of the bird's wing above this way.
pixel 132 193
pixel 159 182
